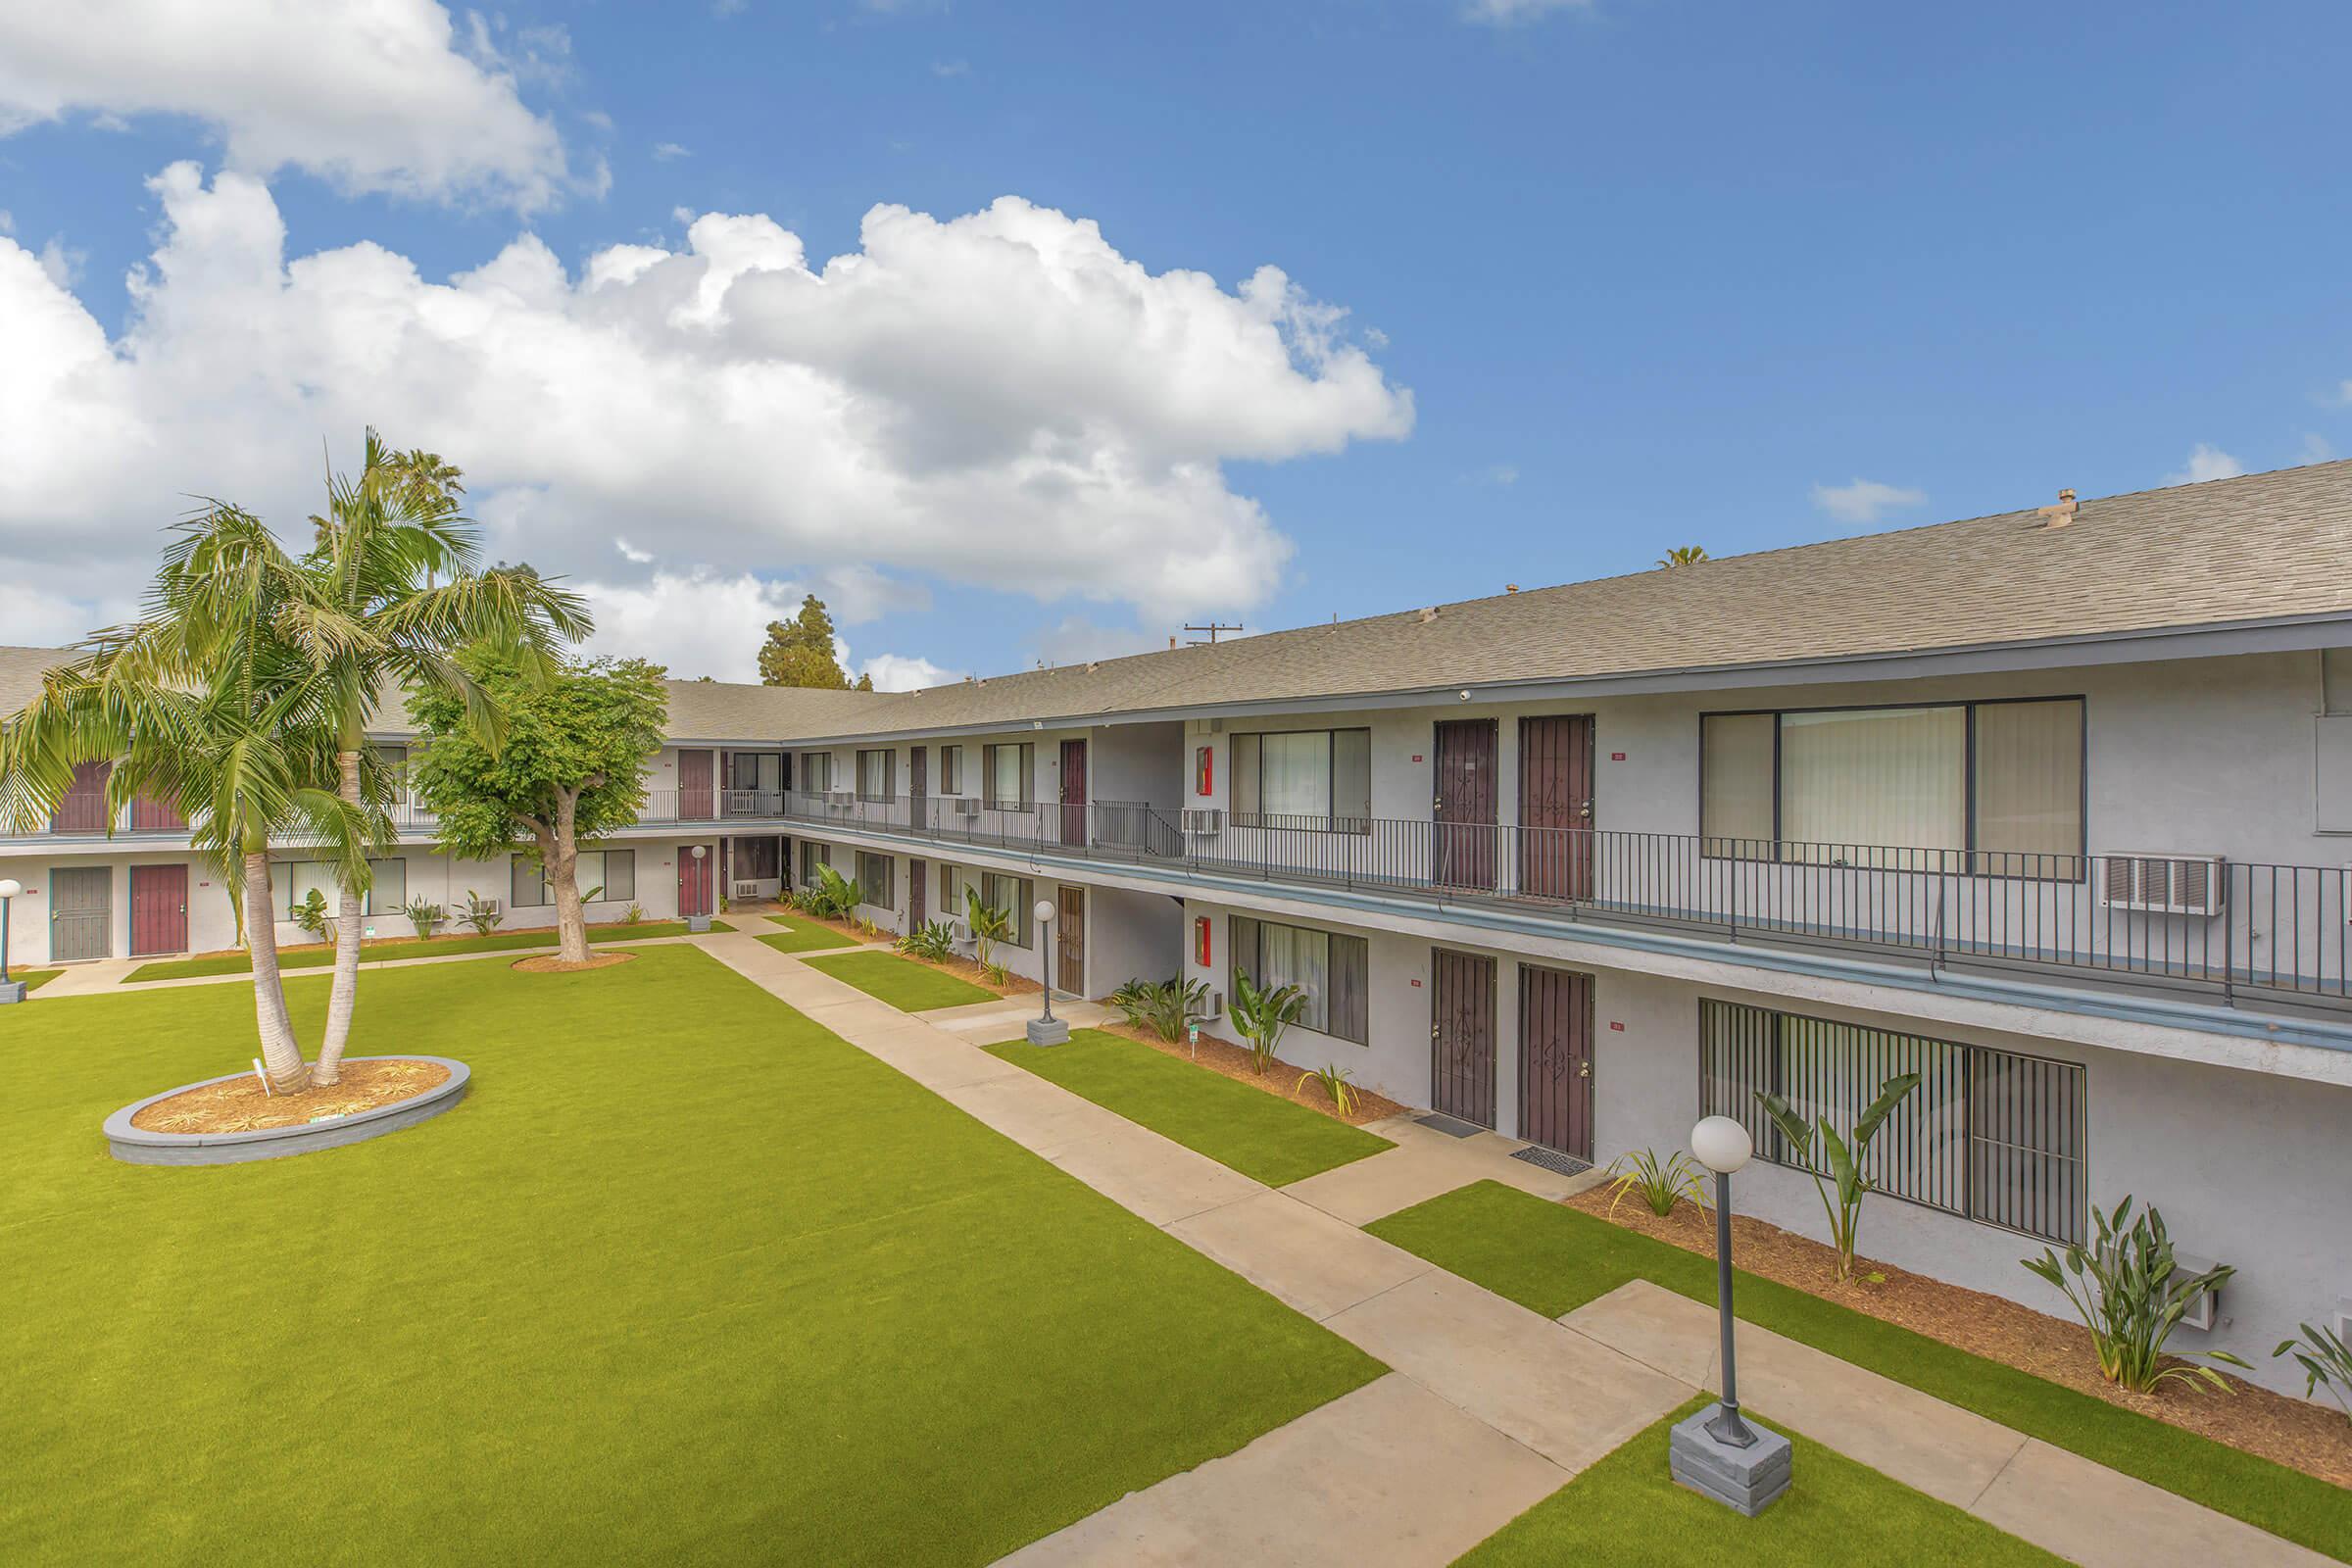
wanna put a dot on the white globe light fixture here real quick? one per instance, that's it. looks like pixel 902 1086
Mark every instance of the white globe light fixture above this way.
pixel 1045 1029
pixel 9 990
pixel 1715 1451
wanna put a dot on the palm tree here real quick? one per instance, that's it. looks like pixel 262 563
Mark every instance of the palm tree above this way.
pixel 1684 555
pixel 202 702
pixel 388 595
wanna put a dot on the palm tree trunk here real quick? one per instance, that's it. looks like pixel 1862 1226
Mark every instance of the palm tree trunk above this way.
pixel 344 1000
pixel 281 1053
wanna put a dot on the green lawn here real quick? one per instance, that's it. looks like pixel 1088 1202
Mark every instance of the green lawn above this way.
pixel 1625 1511
pixel 804 936
pixel 905 984
pixel 684 1277
pixel 34 979
pixel 1552 1260
pixel 321 955
pixel 1260 1135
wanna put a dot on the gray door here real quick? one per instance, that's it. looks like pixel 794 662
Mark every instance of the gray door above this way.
pixel 80 911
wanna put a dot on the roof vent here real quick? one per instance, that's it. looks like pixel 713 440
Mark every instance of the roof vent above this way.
pixel 1510 587
pixel 1428 612
pixel 1092 666
pixel 2058 515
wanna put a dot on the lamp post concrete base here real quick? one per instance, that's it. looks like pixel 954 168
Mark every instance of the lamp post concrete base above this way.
pixel 12 991
pixel 1048 1031
pixel 697 923
pixel 1749 1479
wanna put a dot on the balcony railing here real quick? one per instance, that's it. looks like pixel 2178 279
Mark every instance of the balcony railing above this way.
pixel 2237 931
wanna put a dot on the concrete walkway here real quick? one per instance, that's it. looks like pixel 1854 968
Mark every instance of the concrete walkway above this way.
pixel 1489 1407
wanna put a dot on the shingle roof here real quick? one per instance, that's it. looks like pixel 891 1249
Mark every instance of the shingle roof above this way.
pixel 2262 547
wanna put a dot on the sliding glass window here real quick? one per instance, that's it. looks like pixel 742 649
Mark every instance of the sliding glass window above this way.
pixel 1318 779
pixel 1993 787
pixel 1333 971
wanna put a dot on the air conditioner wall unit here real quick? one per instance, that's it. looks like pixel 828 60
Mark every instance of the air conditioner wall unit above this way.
pixel 967 805
pixel 2164 883
pixel 1204 819
pixel 746 890
pixel 2200 1314
pixel 1215 1006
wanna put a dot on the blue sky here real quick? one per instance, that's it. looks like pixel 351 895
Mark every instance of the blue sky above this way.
pixel 1651 274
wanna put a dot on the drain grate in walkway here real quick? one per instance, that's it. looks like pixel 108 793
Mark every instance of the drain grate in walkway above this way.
pixel 1552 1160
pixel 1450 1126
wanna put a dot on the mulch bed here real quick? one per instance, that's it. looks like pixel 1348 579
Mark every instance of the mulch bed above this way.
pixel 548 964
pixel 1282 1080
pixel 240 1105
pixel 2300 1434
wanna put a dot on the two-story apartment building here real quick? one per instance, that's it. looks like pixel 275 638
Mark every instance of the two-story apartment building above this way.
pixel 2053 807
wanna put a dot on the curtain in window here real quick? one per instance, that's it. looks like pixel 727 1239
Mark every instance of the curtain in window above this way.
pixel 1015 896
pixel 527 888
pixel 877 880
pixel 1294 777
pixel 2029 787
pixel 1352 780
pixel 390 893
pixel 1242 936
pixel 1290 955
pixel 621 876
pixel 1734 801
pixel 1854 780
pixel 1246 802
pixel 951 770
pixel 876 774
pixel 1351 989
pixel 817 772
pixel 1007 769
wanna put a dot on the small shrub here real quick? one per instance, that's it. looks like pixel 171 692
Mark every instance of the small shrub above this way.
pixel 425 916
pixel 936 942
pixel 1262 1016
pixel 832 896
pixel 1659 1183
pixel 995 974
pixel 1842 1157
pixel 1334 1079
pixel 483 914
pixel 990 925
pixel 634 915
pixel 2325 1362
pixel 310 914
pixel 1166 1007
pixel 2122 1286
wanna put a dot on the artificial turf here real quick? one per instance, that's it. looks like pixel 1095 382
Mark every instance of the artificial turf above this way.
pixel 1260 1135
pixel 34 979
pixel 804 936
pixel 1552 1260
pixel 321 955
pixel 905 984
pixel 1626 1511
pixel 684 1277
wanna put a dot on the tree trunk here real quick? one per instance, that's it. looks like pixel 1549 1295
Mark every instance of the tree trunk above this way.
pixel 344 1000
pixel 281 1053
pixel 562 855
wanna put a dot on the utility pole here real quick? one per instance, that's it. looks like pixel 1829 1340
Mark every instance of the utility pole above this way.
pixel 1212 628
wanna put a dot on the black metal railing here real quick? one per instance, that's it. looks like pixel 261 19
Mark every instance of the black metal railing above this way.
pixel 2244 932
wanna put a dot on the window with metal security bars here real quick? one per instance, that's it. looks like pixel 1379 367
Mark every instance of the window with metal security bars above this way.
pixel 1992 1136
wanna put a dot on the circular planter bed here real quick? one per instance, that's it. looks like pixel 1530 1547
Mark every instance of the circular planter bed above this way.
pixel 159 1141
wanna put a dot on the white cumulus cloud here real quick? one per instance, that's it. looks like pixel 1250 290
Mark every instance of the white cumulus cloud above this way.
pixel 374 95
pixel 898 672
pixel 2207 462
pixel 1000 398
pixel 1512 13
pixel 1864 501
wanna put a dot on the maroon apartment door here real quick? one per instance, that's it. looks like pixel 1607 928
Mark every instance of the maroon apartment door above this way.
pixel 918 798
pixel 694 881
pixel 159 910
pixel 1555 1059
pixel 1073 792
pixel 917 875
pixel 695 801
pixel 1461 1036
pixel 1465 808
pixel 1555 807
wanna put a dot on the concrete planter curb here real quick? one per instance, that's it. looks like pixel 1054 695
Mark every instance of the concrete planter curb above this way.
pixel 137 1146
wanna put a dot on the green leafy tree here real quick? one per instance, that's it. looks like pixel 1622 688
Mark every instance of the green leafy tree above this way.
pixel 389 592
pixel 1684 555
pixel 800 653
pixel 569 764
pixel 205 703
